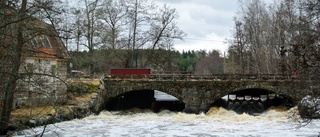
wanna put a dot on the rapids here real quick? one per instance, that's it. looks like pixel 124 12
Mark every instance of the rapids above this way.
pixel 215 123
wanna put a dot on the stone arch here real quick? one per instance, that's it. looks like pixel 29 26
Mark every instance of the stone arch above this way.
pixel 253 95
pixel 172 93
pixel 132 89
pixel 271 88
pixel 129 99
pixel 169 87
pixel 267 89
pixel 171 104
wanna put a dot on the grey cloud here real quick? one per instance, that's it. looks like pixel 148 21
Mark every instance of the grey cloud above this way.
pixel 202 18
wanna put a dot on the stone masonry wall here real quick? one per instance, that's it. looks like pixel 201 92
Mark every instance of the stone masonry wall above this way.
pixel 198 95
pixel 43 82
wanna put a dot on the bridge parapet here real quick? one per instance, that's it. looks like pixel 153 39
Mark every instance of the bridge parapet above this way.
pixel 217 77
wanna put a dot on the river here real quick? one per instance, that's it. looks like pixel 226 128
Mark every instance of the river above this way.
pixel 218 122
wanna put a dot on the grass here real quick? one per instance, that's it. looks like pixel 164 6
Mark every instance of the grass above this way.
pixel 82 98
pixel 84 80
pixel 23 115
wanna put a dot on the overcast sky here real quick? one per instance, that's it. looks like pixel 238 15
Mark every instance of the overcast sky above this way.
pixel 208 23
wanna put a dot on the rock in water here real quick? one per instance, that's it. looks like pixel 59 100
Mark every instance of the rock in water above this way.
pixel 309 107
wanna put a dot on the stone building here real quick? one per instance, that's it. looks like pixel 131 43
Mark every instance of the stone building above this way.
pixel 43 69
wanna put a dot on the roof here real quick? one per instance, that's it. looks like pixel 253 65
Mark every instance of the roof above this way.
pixel 36 34
pixel 49 44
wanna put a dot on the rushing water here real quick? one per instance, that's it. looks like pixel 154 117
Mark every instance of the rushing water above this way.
pixel 217 122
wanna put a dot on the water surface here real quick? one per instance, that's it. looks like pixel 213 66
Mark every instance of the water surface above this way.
pixel 218 122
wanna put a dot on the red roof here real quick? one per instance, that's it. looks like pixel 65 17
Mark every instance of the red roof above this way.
pixel 56 49
pixel 34 28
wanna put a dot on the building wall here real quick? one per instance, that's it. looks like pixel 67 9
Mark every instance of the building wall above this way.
pixel 42 83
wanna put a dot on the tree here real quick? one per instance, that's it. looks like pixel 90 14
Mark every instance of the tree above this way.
pixel 285 33
pixel 209 65
pixel 17 29
pixel 304 48
pixel 91 30
pixel 284 20
pixel 256 21
pixel 14 52
pixel 305 44
pixel 77 27
pixel 239 48
pixel 131 25
pixel 138 16
pixel 112 15
pixel 163 30
pixel 86 29
pixel 260 32
pixel 62 22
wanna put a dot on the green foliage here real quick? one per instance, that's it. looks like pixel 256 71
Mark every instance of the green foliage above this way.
pixel 185 63
pixel 188 60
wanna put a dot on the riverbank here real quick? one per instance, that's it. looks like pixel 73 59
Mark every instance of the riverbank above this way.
pixel 80 97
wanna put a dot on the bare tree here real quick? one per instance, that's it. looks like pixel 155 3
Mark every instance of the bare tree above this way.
pixel 63 22
pixel 239 48
pixel 77 27
pixel 257 36
pixel 209 65
pixel 163 30
pixel 90 25
pixel 138 16
pixel 285 32
pixel 131 25
pixel 13 53
pixel 18 28
pixel 112 15
pixel 255 19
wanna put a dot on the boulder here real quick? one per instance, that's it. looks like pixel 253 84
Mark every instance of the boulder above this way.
pixel 309 107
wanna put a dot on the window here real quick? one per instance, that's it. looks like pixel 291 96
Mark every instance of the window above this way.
pixel 41 41
pixel 34 42
pixel 54 70
pixel 46 41
pixel 30 68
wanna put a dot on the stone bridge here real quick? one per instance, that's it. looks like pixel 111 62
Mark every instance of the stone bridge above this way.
pixel 199 92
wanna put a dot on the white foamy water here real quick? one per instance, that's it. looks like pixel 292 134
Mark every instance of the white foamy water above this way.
pixel 218 122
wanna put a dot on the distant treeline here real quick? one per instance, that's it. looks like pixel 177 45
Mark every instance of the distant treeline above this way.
pixel 158 60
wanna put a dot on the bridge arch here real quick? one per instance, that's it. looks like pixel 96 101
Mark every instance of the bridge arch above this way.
pixel 129 99
pixel 143 98
pixel 253 100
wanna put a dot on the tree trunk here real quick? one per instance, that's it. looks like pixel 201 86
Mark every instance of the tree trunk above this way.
pixel 11 85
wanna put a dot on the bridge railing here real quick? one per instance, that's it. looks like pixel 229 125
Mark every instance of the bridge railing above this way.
pixel 216 77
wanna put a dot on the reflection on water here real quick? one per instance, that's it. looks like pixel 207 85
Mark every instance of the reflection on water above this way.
pixel 216 122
